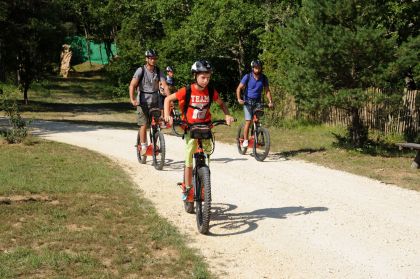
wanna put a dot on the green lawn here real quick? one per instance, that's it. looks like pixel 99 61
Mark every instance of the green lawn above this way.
pixel 71 213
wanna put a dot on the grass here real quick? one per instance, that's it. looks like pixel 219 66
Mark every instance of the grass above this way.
pixel 70 213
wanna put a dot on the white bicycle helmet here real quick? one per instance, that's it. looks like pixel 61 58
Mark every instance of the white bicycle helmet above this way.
pixel 201 66
pixel 151 53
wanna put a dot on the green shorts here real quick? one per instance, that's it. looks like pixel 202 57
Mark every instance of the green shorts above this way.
pixel 143 116
pixel 191 147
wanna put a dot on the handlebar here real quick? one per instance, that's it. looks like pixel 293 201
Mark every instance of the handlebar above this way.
pixel 213 123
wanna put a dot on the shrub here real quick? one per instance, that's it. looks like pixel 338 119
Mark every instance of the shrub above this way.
pixel 19 130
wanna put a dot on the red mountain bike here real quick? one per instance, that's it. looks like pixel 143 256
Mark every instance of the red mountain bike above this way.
pixel 156 148
pixel 259 137
pixel 201 174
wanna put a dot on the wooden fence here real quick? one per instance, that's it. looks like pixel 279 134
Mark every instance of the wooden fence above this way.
pixel 385 117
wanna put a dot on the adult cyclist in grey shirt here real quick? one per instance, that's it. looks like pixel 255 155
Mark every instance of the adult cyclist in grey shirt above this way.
pixel 145 83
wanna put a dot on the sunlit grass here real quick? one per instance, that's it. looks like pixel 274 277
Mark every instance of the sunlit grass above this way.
pixel 70 213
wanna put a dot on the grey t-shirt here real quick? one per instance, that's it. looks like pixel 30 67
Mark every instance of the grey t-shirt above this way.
pixel 149 85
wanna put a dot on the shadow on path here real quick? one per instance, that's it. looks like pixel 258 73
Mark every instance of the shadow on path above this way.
pixel 285 155
pixel 239 223
pixel 227 160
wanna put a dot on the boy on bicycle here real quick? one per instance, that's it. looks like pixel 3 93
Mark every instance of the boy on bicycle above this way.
pixel 146 83
pixel 253 84
pixel 198 111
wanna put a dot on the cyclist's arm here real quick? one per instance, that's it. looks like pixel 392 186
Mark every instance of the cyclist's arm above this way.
pixel 229 119
pixel 165 87
pixel 268 93
pixel 167 107
pixel 132 89
pixel 238 92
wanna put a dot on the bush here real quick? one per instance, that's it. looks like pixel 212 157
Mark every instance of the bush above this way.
pixel 19 130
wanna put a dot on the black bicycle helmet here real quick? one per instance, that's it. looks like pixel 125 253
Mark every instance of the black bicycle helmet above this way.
pixel 256 63
pixel 169 69
pixel 151 53
pixel 201 66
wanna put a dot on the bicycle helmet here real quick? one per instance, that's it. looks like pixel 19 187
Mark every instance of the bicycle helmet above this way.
pixel 256 63
pixel 169 69
pixel 201 66
pixel 151 53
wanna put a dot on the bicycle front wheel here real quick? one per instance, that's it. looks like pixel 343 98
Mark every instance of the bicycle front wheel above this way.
pixel 158 150
pixel 177 129
pixel 261 144
pixel 240 139
pixel 140 158
pixel 203 199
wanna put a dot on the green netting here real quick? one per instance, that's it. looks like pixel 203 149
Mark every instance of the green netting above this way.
pixel 98 51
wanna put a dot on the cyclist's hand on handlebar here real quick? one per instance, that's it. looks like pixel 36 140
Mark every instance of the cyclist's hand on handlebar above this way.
pixel 241 102
pixel 169 120
pixel 229 119
pixel 270 105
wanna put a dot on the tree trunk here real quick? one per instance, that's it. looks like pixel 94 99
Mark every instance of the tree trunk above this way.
pixel 241 57
pixel 2 68
pixel 87 45
pixel 108 50
pixel 358 133
pixel 25 94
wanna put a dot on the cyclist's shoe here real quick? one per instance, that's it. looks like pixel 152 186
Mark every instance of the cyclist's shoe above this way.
pixel 187 193
pixel 245 144
pixel 143 149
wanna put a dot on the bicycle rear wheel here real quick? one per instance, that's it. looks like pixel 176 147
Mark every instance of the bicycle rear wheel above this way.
pixel 203 199
pixel 261 144
pixel 240 139
pixel 159 150
pixel 140 158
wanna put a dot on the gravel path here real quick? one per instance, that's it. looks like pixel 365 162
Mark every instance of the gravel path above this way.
pixel 275 219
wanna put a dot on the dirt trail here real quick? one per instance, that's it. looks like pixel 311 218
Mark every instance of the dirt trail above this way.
pixel 276 219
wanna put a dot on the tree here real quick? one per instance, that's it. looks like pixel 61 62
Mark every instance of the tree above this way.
pixel 330 54
pixel 31 39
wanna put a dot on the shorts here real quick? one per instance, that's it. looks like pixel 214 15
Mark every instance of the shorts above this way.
pixel 248 112
pixel 143 116
pixel 249 109
pixel 191 147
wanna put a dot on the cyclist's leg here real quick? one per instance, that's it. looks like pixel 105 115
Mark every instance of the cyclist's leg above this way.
pixel 142 121
pixel 190 147
pixel 208 147
pixel 248 119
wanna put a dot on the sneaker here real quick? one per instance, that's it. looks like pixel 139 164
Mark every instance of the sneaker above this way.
pixel 187 193
pixel 245 144
pixel 143 149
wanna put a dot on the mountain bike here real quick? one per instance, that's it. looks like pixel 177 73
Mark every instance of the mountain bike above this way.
pixel 201 174
pixel 259 137
pixel 156 148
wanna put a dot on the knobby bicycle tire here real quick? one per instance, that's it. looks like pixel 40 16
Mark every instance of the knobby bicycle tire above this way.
pixel 177 129
pixel 262 139
pixel 239 139
pixel 203 200
pixel 159 150
pixel 140 158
